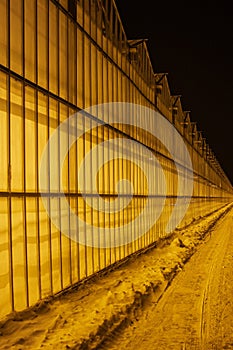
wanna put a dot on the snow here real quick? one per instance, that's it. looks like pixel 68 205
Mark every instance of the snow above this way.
pixel 83 316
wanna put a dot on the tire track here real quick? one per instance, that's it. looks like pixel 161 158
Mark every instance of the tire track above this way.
pixel 188 316
pixel 213 293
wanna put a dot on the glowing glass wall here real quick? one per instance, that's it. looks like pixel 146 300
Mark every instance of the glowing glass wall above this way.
pixel 57 57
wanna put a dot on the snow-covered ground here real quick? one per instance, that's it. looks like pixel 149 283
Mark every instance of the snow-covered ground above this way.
pixel 87 315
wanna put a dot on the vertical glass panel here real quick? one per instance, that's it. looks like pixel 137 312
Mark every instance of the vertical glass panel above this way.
pixel 88 140
pixel 80 12
pixel 73 155
pixel 63 54
pixel 18 253
pixel 54 153
pixel 87 72
pixel 100 77
pixel 101 184
pixel 56 247
pixel 42 32
pixel 104 32
pixel 81 229
pixel 72 56
pixel 64 134
pixel 66 251
pixel 95 213
pixel 45 262
pixel 110 82
pixel 80 60
pixel 93 75
pixel 32 250
pixel 74 245
pixel 53 48
pixel 89 252
pixel 105 80
pixel 30 139
pixel 93 19
pixel 115 85
pixel 5 288
pixel 42 130
pixel 86 4
pixel 99 25
pixel 17 141
pixel 30 32
pixel 88 189
pixel 16 36
pixel 3 134
pixel 81 205
pixel 3 33
pixel 106 172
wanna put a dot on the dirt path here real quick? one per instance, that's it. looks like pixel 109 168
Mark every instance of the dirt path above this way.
pixel 196 311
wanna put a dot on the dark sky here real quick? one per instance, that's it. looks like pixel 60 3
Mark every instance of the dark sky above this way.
pixel 193 42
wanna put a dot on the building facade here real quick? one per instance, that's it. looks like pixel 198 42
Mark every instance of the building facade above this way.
pixel 56 59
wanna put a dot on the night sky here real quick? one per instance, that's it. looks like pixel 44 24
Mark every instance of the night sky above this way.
pixel 193 43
